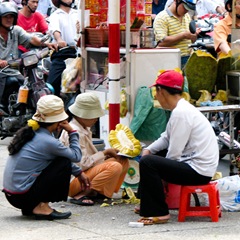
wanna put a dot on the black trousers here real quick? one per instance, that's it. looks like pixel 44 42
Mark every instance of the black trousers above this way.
pixel 55 75
pixel 58 66
pixel 154 169
pixel 52 185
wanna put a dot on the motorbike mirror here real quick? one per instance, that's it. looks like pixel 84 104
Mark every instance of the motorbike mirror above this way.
pixel 192 27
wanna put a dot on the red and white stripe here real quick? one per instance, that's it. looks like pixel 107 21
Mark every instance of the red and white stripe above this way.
pixel 114 62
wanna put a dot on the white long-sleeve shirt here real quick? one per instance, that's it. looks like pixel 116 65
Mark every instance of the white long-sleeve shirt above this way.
pixel 189 137
pixel 65 23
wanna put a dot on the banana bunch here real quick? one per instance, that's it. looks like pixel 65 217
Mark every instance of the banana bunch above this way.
pixel 186 96
pixel 123 104
pixel 123 139
pixel 221 95
pixel 205 96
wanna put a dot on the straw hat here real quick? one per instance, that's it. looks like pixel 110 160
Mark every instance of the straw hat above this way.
pixel 50 109
pixel 87 105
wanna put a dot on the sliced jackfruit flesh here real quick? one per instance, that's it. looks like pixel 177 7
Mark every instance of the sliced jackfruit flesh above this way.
pixel 123 139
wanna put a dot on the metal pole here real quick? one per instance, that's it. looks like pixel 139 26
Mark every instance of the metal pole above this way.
pixel 114 62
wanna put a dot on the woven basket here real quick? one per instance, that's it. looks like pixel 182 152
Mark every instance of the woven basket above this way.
pixel 96 37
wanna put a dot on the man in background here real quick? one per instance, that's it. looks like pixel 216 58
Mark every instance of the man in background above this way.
pixel 30 20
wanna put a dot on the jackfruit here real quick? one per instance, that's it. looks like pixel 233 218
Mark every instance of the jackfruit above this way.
pixel 201 73
pixel 224 65
pixel 123 139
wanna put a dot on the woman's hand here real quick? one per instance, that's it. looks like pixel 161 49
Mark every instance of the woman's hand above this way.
pixel 145 152
pixel 84 181
pixel 110 152
pixel 65 125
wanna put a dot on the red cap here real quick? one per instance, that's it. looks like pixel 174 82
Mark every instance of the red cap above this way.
pixel 170 78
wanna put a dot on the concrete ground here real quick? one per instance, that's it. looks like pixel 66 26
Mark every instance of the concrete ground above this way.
pixel 110 223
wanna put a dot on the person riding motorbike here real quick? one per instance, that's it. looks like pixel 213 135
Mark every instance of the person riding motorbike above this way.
pixel 30 20
pixel 223 28
pixel 64 27
pixel 10 37
pixel 171 27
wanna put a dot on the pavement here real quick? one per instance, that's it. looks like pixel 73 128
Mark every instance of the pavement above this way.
pixel 109 223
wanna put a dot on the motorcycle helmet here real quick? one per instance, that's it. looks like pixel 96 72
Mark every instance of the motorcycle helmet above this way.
pixel 228 5
pixel 57 3
pixel 8 8
pixel 190 4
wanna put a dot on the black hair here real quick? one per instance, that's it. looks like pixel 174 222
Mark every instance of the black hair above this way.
pixel 227 3
pixel 172 91
pixel 22 136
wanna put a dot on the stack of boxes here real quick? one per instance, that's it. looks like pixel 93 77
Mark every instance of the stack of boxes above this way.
pixel 96 33
pixel 98 11
pixel 142 9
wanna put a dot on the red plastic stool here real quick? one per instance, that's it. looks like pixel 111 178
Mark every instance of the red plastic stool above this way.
pixel 213 210
pixel 172 193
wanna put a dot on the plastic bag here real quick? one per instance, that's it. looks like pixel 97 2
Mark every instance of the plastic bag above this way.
pixel 71 76
pixel 229 190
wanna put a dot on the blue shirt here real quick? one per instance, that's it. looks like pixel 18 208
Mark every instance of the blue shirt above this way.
pixel 24 167
pixel 156 8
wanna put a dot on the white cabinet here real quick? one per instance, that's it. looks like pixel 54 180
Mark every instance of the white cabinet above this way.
pixel 143 64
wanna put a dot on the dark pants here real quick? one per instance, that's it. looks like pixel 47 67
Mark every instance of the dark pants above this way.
pixel 154 169
pixel 58 66
pixel 55 75
pixel 52 185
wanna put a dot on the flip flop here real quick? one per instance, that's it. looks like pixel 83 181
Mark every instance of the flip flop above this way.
pixel 152 220
pixel 81 202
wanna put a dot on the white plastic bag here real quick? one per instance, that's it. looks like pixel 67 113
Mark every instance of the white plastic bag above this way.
pixel 229 190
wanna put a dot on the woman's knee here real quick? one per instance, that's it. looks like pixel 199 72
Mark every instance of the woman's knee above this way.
pixel 115 166
pixel 143 160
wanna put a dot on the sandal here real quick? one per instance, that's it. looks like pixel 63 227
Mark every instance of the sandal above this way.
pixel 81 201
pixel 154 220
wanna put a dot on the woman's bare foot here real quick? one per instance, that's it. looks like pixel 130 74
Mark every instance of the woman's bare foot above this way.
pixel 154 220
pixel 137 209
pixel 87 193
pixel 43 208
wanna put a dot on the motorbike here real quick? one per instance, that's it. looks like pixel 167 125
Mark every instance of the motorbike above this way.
pixel 204 40
pixel 21 91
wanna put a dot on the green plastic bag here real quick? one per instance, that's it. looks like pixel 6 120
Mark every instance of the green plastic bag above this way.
pixel 148 122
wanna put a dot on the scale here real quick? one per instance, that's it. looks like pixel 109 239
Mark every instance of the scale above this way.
pixel 132 177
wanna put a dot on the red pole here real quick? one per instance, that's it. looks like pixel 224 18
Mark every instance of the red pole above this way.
pixel 114 62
